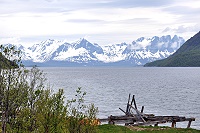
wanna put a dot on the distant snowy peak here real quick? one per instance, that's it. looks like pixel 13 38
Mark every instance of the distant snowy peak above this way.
pixel 47 45
pixel 44 51
pixel 82 51
pixel 112 53
pixel 157 43
pixel 83 43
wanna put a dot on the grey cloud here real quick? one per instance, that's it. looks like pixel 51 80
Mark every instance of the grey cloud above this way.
pixel 182 10
pixel 65 5
pixel 183 29
pixel 35 6
pixel 136 3
pixel 166 29
pixel 186 15
pixel 136 20
pixel 189 19
pixel 126 21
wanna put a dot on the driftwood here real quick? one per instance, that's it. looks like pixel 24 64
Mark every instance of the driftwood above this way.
pixel 139 118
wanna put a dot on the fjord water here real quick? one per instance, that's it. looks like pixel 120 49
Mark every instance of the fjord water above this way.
pixel 162 91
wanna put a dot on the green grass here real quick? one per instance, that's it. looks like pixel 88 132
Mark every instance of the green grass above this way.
pixel 113 129
pixel 122 129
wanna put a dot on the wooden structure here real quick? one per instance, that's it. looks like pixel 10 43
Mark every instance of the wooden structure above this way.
pixel 132 116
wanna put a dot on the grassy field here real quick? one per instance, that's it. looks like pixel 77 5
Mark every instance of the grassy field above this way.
pixel 122 129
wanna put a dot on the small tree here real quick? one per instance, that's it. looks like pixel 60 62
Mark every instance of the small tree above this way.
pixel 9 74
pixel 51 113
pixel 81 115
pixel 26 119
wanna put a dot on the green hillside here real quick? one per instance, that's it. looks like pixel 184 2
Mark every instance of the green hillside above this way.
pixel 188 55
pixel 5 63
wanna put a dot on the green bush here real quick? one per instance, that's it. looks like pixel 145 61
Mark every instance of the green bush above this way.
pixel 28 106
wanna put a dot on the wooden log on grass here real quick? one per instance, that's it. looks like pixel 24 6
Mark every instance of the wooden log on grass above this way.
pixel 138 114
pixel 139 118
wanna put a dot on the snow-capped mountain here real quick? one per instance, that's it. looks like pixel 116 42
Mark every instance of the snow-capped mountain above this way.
pixel 85 53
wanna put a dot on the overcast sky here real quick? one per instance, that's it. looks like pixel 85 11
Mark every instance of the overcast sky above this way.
pixel 100 21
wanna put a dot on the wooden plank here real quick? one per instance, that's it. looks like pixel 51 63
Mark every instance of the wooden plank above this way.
pixel 104 119
pixel 190 119
pixel 124 117
pixel 148 123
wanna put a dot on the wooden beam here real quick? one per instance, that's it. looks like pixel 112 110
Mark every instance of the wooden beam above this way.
pixel 149 123
pixel 127 107
pixel 134 102
pixel 142 109
pixel 132 99
pixel 122 111
pixel 138 113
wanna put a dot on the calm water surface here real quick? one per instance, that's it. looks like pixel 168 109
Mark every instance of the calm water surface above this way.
pixel 163 91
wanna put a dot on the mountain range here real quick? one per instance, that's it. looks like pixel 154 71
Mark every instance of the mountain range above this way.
pixel 84 53
pixel 188 55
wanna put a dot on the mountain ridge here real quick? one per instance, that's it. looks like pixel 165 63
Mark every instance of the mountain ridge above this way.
pixel 188 55
pixel 85 53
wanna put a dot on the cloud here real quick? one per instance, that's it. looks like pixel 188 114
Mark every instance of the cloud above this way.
pixel 84 21
pixel 182 29
pixel 166 30
pixel 12 40
pixel 102 20
pixel 182 10
pixel 14 6
pixel 137 3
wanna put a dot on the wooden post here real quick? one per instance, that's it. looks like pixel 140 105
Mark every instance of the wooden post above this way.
pixel 131 102
pixel 142 109
pixel 132 99
pixel 110 121
pixel 189 124
pixel 173 124
pixel 127 108
pixel 134 102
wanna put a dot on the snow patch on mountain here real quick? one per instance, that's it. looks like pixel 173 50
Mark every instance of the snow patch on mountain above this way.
pixel 43 52
pixel 112 53
pixel 71 52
